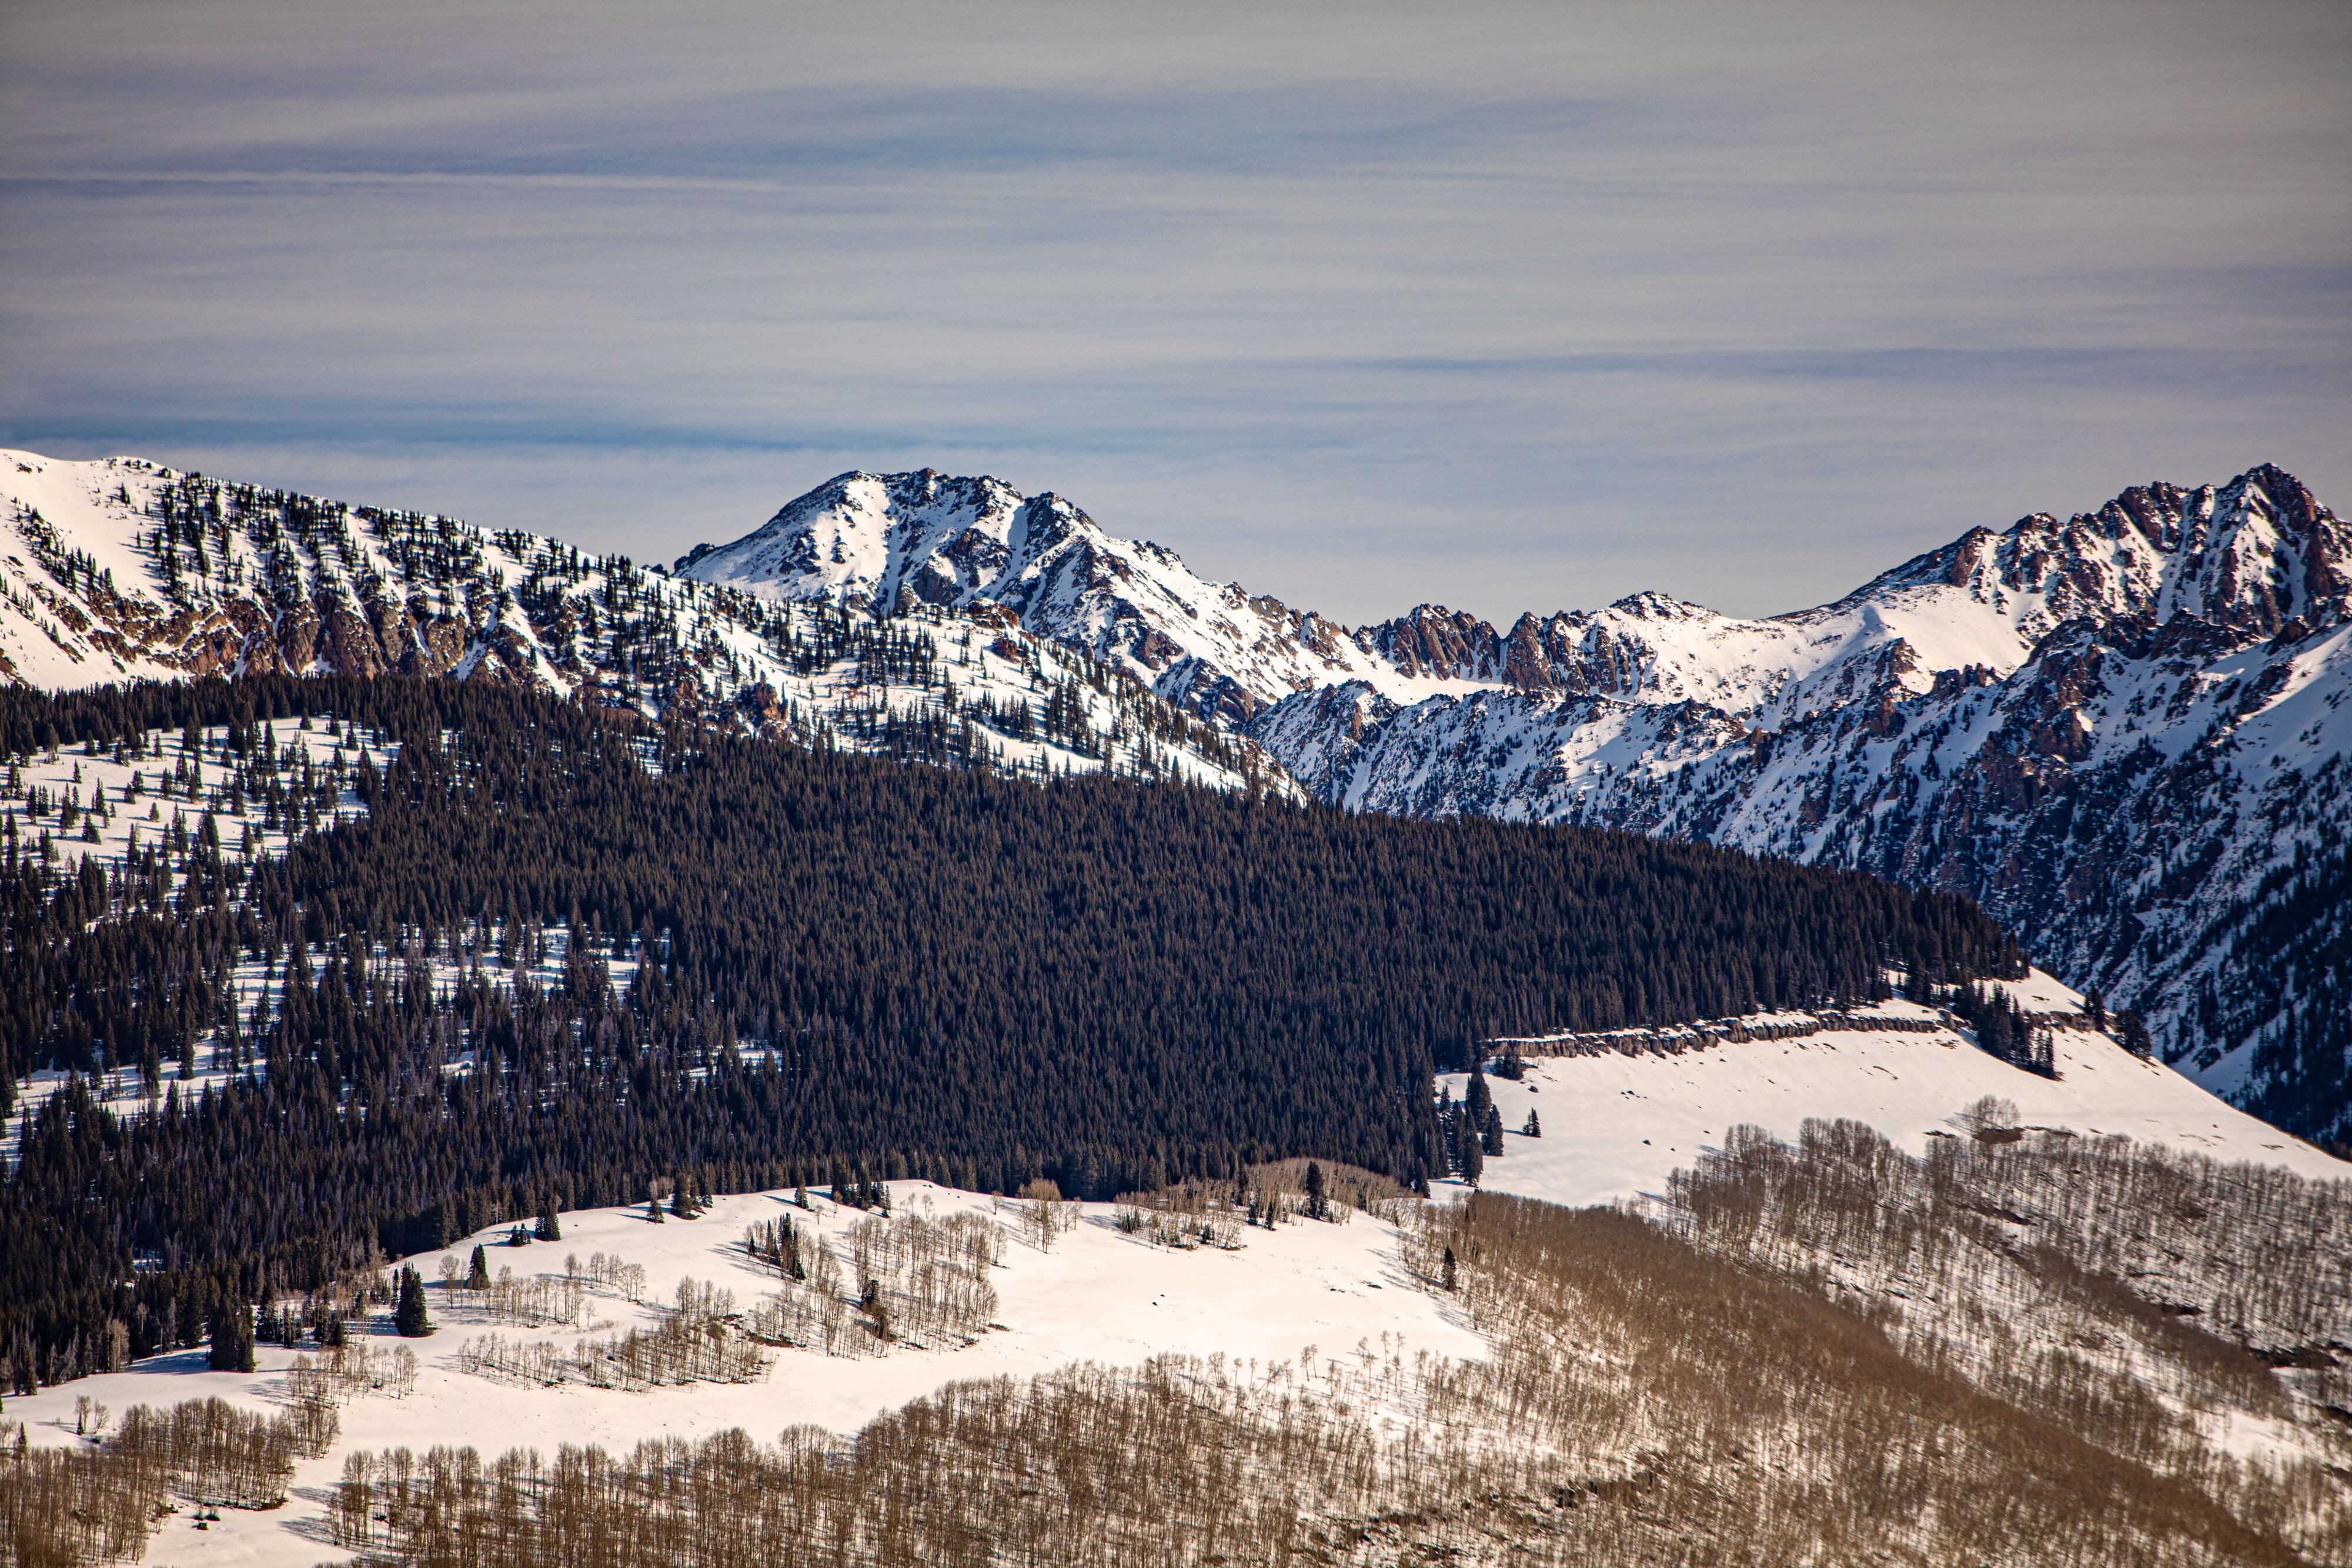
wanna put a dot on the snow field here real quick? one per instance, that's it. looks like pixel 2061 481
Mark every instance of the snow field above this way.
pixel 1304 1293
pixel 1616 1126
pixel 1304 1301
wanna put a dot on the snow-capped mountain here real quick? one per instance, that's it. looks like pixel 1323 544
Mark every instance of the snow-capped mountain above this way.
pixel 2123 731
pixel 120 570
pixel 2115 730
pixel 889 543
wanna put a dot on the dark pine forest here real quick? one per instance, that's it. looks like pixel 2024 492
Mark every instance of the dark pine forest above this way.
pixel 835 967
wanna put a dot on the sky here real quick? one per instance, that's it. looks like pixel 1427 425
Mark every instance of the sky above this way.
pixel 1498 306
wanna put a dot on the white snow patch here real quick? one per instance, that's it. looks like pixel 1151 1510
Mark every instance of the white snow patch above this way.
pixel 1097 1294
pixel 1615 1126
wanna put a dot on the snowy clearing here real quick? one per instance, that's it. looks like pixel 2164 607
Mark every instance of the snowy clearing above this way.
pixel 1615 1126
pixel 1305 1288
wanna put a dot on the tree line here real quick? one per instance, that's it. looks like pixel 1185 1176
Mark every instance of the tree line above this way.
pixel 833 967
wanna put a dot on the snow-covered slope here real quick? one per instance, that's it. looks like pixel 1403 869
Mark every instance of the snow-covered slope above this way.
pixel 1281 1310
pixel 2125 734
pixel 1615 1125
pixel 1093 1294
pixel 2253 558
pixel 120 570
pixel 888 542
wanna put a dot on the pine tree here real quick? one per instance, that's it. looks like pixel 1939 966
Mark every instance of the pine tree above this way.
pixel 548 1230
pixel 1473 1158
pixel 1317 1207
pixel 1478 1097
pixel 522 838
pixel 1534 1129
pixel 1490 1140
pixel 232 1338
pixel 477 1276
pixel 409 1316
pixel 2134 1034
pixel 1449 1280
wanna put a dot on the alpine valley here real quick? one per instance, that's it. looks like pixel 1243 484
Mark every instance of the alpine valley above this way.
pixel 2123 733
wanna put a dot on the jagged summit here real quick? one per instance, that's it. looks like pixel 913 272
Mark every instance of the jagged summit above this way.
pixel 887 543
pixel 2249 555
pixel 2253 555
pixel 2127 733
pixel 120 570
pixel 877 542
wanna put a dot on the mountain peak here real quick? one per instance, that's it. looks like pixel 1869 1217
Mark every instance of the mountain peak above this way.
pixel 2249 556
pixel 1652 603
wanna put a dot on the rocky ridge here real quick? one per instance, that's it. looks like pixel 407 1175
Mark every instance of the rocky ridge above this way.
pixel 120 570
pixel 2119 730
pixel 2123 731
pixel 888 544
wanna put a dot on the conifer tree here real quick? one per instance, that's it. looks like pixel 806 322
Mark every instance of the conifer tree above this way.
pixel 409 1316
pixel 2134 1034
pixel 1478 1096
pixel 477 1276
pixel 232 1338
pixel 507 812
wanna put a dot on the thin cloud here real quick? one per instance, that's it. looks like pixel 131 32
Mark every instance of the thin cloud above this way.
pixel 1524 307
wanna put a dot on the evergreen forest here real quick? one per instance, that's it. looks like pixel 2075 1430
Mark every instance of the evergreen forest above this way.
pixel 565 959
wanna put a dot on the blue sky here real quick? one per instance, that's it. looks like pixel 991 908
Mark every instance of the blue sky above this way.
pixel 1500 306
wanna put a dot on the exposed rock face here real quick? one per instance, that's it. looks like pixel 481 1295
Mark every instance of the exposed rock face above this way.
pixel 2126 733
pixel 883 542
pixel 121 569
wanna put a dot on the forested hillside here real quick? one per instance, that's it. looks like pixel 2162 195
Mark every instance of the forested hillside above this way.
pixel 832 962
pixel 2122 732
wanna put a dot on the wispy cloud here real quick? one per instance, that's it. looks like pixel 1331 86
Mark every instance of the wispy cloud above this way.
pixel 1521 305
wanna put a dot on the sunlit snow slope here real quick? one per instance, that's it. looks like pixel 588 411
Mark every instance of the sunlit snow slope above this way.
pixel 1304 1289
pixel 1616 1125
pixel 2125 732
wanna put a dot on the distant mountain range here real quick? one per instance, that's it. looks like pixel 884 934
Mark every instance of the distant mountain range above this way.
pixel 2125 732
